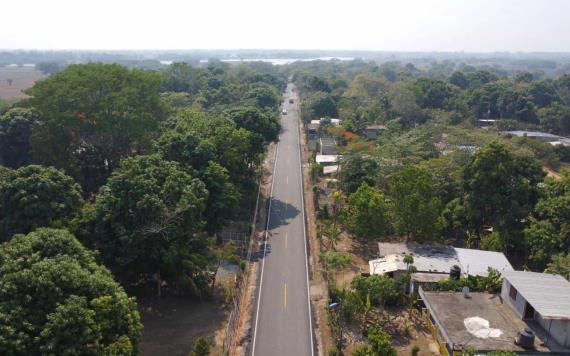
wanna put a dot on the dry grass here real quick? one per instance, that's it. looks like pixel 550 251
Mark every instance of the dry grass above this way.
pixel 22 78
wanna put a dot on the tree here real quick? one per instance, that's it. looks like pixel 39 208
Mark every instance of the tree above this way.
pixel 15 131
pixel 549 231
pixel 201 347
pixel 365 213
pixel 560 264
pixel 356 170
pixel 263 96
pixel 256 121
pixel 146 221
pixel 320 104
pixel 380 289
pixel 92 115
pixel 434 94
pixel 223 196
pixel 57 300
pixel 33 197
pixel 415 205
pixel 459 79
pixel 500 190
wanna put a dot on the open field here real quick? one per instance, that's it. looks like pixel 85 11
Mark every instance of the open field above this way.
pixel 172 324
pixel 14 79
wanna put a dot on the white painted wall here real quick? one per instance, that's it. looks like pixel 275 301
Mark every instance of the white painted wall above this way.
pixel 560 329
pixel 518 304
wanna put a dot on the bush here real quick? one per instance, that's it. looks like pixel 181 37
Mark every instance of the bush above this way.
pixel 201 347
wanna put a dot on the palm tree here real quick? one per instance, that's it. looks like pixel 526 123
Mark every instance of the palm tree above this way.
pixel 408 260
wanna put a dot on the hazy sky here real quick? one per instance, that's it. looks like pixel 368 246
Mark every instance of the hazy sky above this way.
pixel 398 25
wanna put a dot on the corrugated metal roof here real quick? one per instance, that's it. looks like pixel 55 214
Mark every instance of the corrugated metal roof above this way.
pixel 477 262
pixel 549 294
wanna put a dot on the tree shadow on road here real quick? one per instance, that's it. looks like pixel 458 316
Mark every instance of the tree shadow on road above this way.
pixel 281 213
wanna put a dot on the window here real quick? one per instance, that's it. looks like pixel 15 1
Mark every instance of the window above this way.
pixel 513 293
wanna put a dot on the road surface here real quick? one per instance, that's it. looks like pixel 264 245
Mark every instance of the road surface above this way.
pixel 283 312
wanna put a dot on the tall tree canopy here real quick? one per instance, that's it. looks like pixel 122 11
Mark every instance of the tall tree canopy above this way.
pixel 414 202
pixel 149 210
pixel 501 189
pixel 92 115
pixel 34 196
pixel 549 230
pixel 15 131
pixel 358 169
pixel 56 300
pixel 366 213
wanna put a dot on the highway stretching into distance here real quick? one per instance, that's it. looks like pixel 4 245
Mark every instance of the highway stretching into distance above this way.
pixel 283 312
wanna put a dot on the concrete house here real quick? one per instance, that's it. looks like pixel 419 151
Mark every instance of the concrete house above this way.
pixel 542 298
pixel 372 131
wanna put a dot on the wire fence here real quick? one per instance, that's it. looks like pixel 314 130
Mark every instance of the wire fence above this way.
pixel 231 335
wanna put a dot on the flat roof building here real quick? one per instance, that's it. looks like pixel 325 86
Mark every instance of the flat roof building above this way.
pixel 481 322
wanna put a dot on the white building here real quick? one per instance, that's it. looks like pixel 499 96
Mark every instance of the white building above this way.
pixel 540 297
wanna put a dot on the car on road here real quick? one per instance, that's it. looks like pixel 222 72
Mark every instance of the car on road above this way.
pixel 290 101
pixel 284 112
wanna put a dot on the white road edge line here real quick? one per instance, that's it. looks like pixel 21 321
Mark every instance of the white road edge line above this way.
pixel 305 231
pixel 265 248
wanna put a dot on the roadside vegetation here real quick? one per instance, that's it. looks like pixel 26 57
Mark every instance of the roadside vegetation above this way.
pixel 137 172
pixel 433 175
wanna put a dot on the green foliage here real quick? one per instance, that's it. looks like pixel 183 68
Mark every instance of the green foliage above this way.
pixel 145 219
pixel 381 342
pixel 381 290
pixel 549 231
pixel 491 283
pixel 560 264
pixel 34 196
pixel 363 350
pixel 501 190
pixel 415 206
pixel 356 170
pixel 416 350
pixel 92 115
pixel 256 121
pixel 201 347
pixel 15 131
pixel 365 213
pixel 55 299
pixel 336 260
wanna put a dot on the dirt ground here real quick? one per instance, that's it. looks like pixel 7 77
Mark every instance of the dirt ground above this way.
pixel 172 324
pixel 360 253
pixel 22 78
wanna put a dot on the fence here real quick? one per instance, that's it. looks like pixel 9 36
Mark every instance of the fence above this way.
pixel 241 284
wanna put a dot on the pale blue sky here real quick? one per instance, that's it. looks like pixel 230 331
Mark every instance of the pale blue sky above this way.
pixel 396 25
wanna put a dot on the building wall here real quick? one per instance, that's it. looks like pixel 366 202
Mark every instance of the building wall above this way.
pixel 518 305
pixel 559 330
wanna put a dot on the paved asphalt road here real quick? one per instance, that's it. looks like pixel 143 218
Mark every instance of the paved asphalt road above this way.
pixel 283 318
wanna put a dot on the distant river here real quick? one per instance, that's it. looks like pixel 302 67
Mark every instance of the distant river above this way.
pixel 275 61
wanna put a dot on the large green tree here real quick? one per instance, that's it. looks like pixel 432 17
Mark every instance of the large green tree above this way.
pixel 365 213
pixel 415 205
pixel 252 119
pixel 56 300
pixel 35 196
pixel 501 189
pixel 92 115
pixel 15 131
pixel 358 169
pixel 549 231
pixel 147 221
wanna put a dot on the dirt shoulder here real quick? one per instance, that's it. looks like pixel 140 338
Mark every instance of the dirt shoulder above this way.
pixel 318 284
